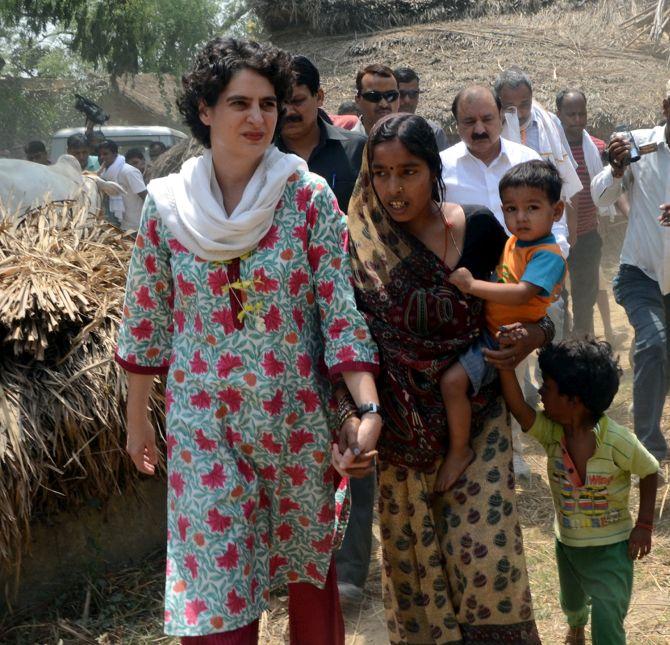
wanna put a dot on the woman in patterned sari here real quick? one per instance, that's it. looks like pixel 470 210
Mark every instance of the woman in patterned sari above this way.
pixel 454 567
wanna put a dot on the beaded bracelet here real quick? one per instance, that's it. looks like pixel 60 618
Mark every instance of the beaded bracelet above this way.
pixel 648 527
pixel 346 408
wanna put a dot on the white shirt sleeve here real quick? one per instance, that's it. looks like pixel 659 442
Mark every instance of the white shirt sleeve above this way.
pixel 135 181
pixel 605 188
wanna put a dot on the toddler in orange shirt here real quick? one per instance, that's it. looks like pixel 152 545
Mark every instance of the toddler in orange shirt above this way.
pixel 527 280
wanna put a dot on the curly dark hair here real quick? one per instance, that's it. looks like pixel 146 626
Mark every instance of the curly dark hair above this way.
pixel 583 368
pixel 218 61
pixel 417 136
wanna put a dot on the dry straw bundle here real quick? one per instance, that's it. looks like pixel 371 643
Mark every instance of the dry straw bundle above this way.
pixel 338 16
pixel 62 280
pixel 651 24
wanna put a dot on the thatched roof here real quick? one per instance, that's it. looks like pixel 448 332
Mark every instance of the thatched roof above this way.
pixel 338 16
pixel 62 421
pixel 153 93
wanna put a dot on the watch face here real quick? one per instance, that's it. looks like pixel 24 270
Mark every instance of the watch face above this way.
pixel 369 407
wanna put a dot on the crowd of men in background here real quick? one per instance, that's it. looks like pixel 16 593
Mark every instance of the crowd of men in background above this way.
pixel 499 127
pixel 97 154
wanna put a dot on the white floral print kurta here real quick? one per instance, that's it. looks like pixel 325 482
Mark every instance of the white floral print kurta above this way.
pixel 250 489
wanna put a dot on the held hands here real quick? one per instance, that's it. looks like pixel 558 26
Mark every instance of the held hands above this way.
pixel 515 344
pixel 462 278
pixel 353 455
pixel 639 543
pixel 141 445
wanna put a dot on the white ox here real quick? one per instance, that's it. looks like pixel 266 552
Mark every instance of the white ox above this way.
pixel 25 185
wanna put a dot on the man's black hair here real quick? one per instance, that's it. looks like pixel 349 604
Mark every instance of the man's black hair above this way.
pixel 583 368
pixel 405 75
pixel 34 147
pixel 76 141
pixel 108 144
pixel 560 97
pixel 468 90
pixel 162 146
pixel 375 70
pixel 537 173
pixel 134 153
pixel 305 73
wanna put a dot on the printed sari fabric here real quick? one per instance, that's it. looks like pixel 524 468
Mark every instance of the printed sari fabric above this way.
pixel 454 567
pixel 420 322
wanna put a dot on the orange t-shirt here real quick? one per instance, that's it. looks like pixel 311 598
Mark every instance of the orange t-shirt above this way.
pixel 539 262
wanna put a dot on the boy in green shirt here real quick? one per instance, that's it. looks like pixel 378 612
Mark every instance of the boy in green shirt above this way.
pixel 590 459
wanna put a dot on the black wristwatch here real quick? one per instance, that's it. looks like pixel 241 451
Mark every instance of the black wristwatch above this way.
pixel 369 408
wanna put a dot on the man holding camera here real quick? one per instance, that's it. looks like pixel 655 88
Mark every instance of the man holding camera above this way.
pixel 642 285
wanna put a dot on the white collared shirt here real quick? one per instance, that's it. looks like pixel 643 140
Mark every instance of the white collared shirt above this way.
pixel 647 182
pixel 469 180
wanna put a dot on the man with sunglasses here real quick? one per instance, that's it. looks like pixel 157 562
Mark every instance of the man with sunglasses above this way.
pixel 408 86
pixel 376 95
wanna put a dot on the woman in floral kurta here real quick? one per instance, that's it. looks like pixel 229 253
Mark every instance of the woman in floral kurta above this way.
pixel 248 345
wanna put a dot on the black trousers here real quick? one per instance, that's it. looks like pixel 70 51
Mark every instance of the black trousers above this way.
pixel 353 558
pixel 584 265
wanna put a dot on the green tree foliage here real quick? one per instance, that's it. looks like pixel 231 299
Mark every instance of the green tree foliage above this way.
pixel 124 36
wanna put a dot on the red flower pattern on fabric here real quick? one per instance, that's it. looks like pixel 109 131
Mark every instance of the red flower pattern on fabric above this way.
pixel 217 522
pixel 227 363
pixel 299 439
pixel 230 558
pixel 235 602
pixel 193 609
pixel 215 478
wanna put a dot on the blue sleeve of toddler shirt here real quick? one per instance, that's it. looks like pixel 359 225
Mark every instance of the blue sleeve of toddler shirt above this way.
pixel 545 270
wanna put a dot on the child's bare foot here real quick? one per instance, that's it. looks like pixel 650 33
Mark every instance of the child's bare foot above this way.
pixel 452 468
pixel 575 636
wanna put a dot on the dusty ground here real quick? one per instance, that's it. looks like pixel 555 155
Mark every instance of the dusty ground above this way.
pixel 126 607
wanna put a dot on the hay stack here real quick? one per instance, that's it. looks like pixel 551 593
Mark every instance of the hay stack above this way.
pixel 62 280
pixel 171 160
pixel 652 24
pixel 342 16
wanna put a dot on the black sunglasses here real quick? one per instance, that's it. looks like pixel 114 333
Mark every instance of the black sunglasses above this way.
pixel 375 97
pixel 410 94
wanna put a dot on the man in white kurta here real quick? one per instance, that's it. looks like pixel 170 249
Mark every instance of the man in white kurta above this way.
pixel 642 285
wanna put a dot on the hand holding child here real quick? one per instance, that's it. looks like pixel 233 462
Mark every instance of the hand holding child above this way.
pixel 462 279
pixel 639 543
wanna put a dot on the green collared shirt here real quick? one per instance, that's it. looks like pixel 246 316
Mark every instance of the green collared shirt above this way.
pixel 593 512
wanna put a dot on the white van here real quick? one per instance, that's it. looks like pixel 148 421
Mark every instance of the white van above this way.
pixel 125 136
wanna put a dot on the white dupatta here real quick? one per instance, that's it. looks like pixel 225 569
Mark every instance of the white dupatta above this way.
pixel 190 207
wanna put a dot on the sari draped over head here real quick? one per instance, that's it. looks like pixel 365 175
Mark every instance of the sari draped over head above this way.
pixel 420 322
